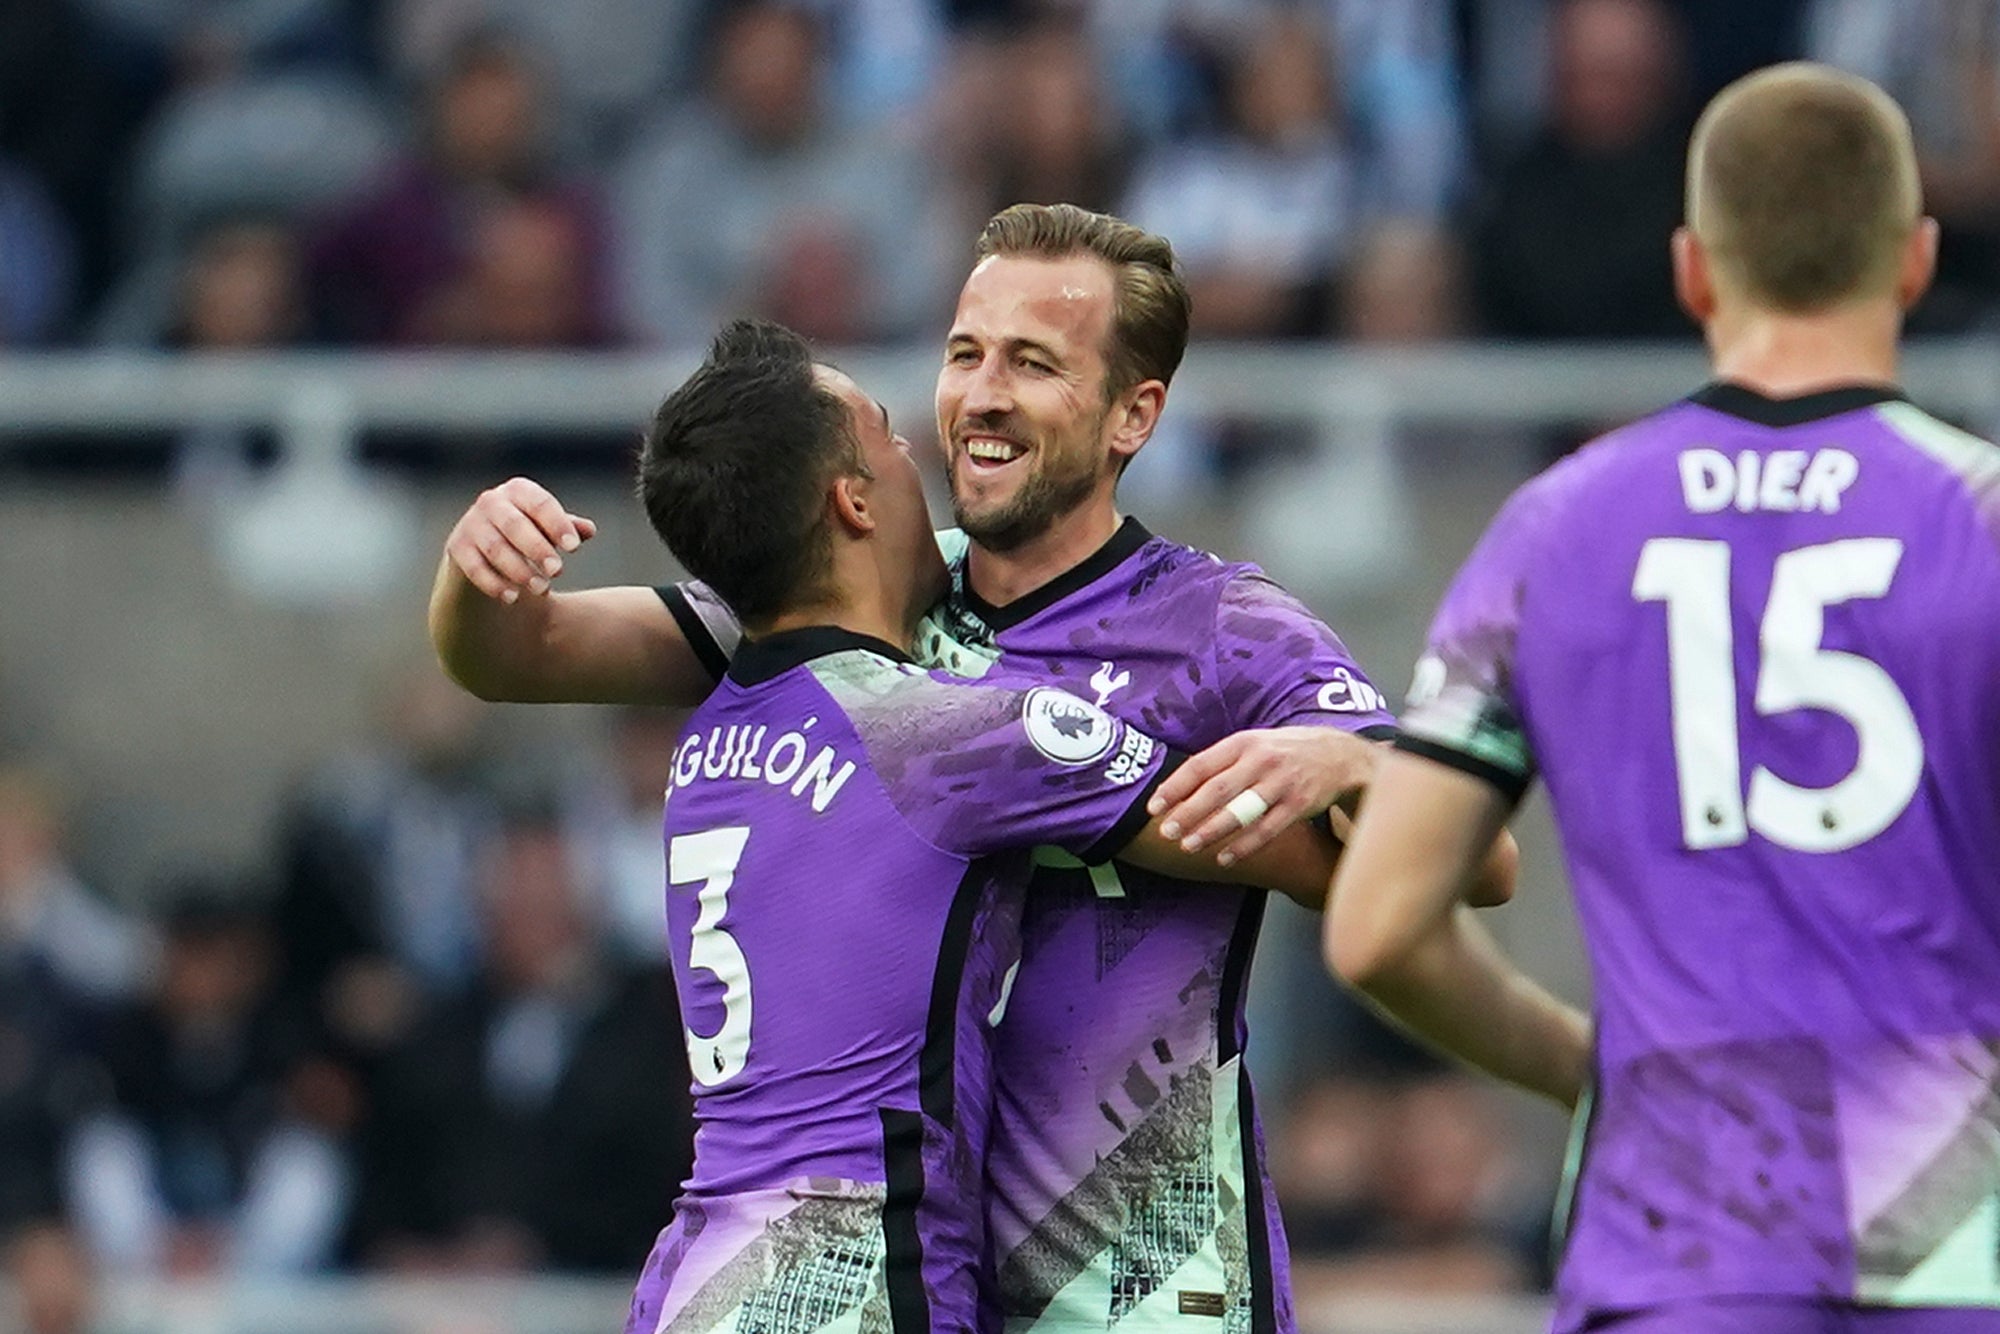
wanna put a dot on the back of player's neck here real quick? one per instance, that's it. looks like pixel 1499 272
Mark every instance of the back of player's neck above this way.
pixel 1785 355
pixel 999 577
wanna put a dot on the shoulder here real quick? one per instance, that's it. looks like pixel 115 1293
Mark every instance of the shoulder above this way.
pixel 1595 473
pixel 1974 460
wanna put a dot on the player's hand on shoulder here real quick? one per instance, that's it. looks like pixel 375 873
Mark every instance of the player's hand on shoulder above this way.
pixel 1246 789
pixel 513 538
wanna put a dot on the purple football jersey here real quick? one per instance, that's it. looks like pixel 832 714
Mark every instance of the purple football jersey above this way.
pixel 1753 647
pixel 1126 1169
pixel 1125 1177
pixel 847 851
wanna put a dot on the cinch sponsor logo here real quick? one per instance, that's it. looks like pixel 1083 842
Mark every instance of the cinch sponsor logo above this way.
pixel 1348 693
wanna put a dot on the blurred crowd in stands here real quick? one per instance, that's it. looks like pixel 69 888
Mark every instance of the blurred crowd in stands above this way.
pixel 221 174
pixel 433 1032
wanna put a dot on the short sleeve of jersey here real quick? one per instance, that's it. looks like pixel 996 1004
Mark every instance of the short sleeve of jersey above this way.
pixel 706 622
pixel 1462 709
pixel 1281 666
pixel 977 767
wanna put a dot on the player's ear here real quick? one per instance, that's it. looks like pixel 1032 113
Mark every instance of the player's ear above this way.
pixel 1134 415
pixel 847 501
pixel 1919 263
pixel 1694 281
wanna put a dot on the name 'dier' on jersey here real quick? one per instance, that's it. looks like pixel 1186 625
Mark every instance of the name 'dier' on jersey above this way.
pixel 1751 645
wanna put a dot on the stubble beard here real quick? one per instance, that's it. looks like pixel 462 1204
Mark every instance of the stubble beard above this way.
pixel 1043 500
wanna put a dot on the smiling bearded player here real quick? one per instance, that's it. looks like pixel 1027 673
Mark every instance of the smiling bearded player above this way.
pixel 1125 1176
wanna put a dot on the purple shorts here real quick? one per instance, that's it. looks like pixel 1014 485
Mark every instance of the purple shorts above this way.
pixel 1784 1315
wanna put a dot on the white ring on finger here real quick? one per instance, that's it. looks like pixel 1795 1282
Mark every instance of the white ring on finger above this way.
pixel 1247 807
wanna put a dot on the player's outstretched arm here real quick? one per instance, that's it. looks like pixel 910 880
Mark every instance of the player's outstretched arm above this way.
pixel 503 633
pixel 1298 862
pixel 1398 930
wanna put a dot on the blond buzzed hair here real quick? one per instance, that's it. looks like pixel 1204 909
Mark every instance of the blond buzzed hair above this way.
pixel 1151 306
pixel 1802 186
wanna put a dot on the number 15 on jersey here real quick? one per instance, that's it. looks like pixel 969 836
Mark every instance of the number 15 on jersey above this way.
pixel 1692 576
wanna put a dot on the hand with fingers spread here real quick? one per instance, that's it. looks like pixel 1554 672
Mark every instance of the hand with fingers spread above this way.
pixel 513 538
pixel 1244 790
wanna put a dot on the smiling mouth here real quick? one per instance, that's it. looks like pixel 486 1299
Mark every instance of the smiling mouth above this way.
pixel 987 451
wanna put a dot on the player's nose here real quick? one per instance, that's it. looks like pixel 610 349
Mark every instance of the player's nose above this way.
pixel 985 392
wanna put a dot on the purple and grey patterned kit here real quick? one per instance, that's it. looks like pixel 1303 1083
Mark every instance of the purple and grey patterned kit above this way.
pixel 846 843
pixel 1125 1180
pixel 1753 647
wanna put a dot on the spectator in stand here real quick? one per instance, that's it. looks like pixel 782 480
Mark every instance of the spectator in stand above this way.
pixel 752 199
pixel 613 822
pixel 382 267
pixel 1940 59
pixel 1404 285
pixel 220 1149
pixel 1396 71
pixel 61 957
pixel 37 261
pixel 379 854
pixel 265 114
pixel 1570 239
pixel 242 290
pixel 528 281
pixel 1261 213
pixel 1405 1186
pixel 1026 119
pixel 609 61
pixel 69 113
pixel 54 1283
pixel 543 1119
pixel 91 948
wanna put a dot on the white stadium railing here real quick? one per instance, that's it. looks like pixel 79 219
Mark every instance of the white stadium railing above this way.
pixel 316 397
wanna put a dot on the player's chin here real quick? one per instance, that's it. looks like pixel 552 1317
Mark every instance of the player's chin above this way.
pixel 984 489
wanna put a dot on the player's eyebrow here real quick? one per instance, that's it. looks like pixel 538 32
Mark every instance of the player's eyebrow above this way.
pixel 1012 345
pixel 883 408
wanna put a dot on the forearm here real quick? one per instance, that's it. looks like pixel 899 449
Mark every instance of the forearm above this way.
pixel 1455 990
pixel 614 645
pixel 1298 863
pixel 488 646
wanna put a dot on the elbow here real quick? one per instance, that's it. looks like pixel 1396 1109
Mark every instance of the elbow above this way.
pixel 476 686
pixel 1493 884
pixel 1367 961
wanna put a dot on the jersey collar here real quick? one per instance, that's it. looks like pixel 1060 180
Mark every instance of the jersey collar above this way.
pixel 1131 535
pixel 759 660
pixel 1742 401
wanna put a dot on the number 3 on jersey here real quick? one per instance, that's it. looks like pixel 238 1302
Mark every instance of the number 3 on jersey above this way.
pixel 1692 577
pixel 711 857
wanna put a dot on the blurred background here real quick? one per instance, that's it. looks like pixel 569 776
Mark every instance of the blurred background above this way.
pixel 332 999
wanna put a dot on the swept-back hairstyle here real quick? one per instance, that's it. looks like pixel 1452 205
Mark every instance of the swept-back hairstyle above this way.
pixel 1151 308
pixel 734 467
